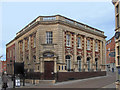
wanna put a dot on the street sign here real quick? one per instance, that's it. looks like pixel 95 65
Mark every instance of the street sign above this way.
pixel 118 71
pixel 112 54
pixel 17 82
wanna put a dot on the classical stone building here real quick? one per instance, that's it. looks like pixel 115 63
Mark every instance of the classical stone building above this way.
pixel 58 48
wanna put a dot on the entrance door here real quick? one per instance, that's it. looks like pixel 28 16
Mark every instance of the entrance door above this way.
pixel 48 70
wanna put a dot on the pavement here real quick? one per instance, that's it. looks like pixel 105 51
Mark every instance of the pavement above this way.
pixel 96 82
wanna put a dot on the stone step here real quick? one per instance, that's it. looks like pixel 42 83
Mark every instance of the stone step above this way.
pixel 47 81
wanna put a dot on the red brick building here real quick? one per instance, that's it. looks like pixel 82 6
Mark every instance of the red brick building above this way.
pixel 10 57
pixel 110 53
pixel 3 66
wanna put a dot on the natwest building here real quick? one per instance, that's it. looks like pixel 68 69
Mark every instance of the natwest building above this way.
pixel 58 48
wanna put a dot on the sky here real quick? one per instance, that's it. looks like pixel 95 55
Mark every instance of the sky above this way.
pixel 16 15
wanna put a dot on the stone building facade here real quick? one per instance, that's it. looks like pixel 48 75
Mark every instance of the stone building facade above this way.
pixel 53 44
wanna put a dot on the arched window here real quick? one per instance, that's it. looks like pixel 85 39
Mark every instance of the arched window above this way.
pixel 68 62
pixel 96 63
pixel 88 63
pixel 79 63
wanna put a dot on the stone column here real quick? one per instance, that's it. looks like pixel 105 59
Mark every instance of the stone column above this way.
pixel 103 59
pixel 75 52
pixel 85 62
pixel 19 52
pixel 42 68
pixel 101 55
pixel 24 59
pixel 30 54
pixel 41 65
pixel 55 65
pixel 63 46
pixel 93 54
pixel 37 46
pixel 55 68
pixel 23 50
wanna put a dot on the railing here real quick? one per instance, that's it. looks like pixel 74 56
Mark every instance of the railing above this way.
pixel 58 17
pixel 49 18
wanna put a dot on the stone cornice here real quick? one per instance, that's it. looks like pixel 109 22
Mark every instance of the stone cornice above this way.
pixel 58 22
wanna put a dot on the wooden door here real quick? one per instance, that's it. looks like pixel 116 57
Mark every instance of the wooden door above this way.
pixel 48 70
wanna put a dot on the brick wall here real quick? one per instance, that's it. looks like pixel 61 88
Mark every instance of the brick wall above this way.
pixel 64 76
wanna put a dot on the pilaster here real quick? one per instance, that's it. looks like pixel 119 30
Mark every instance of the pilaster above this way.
pixel 19 52
pixel 85 61
pixel 103 59
pixel 37 46
pixel 75 51
pixel 55 65
pixel 93 54
pixel 30 54
pixel 23 50
pixel 41 65
pixel 101 55
pixel 63 34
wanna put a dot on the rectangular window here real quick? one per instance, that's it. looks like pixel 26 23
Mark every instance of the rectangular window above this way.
pixel 34 41
pixel 118 61
pixel 68 40
pixel 13 52
pixel 79 42
pixel 10 53
pixel 22 46
pixel 117 9
pixel 49 37
pixel 7 54
pixel 28 43
pixel 88 44
pixel 96 46
pixel 118 50
pixel 117 19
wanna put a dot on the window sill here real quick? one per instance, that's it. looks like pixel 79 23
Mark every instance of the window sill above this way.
pixel 79 47
pixel 49 44
pixel 68 46
pixel 89 49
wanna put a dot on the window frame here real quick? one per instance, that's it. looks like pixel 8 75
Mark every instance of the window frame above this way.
pixel 49 37
pixel 68 63
pixel 34 41
pixel 96 46
pixel 28 43
pixel 88 45
pixel 79 43
pixel 68 40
